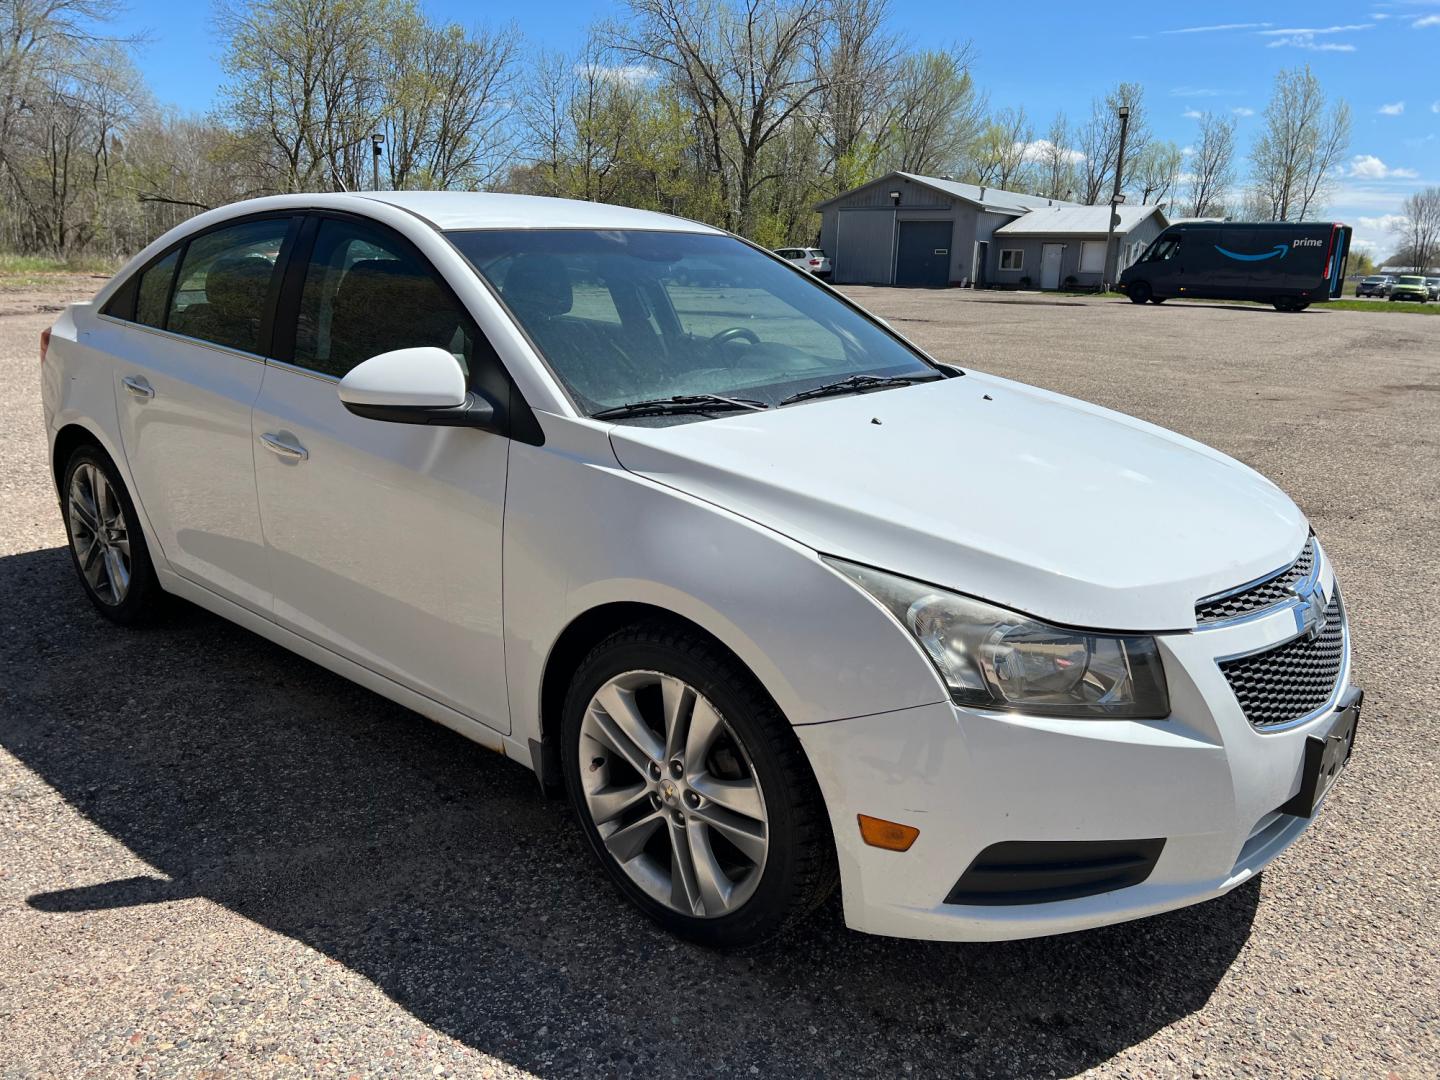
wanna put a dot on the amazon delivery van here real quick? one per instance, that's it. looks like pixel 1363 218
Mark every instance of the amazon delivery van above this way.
pixel 1288 265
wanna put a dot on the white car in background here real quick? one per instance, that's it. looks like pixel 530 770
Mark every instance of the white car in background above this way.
pixel 634 503
pixel 811 260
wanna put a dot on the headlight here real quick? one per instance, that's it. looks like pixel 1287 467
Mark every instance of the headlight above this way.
pixel 1000 659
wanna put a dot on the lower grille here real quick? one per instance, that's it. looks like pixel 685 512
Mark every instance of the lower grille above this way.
pixel 1289 682
pixel 1044 871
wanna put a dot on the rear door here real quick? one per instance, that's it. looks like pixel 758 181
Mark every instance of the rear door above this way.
pixel 384 539
pixel 190 363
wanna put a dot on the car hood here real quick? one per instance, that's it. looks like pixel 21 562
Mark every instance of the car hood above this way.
pixel 1067 511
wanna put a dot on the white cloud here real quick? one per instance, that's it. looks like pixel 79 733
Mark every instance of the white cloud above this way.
pixel 1370 167
pixel 621 73
pixel 1187 151
pixel 1217 28
pixel 1243 110
pixel 1395 108
pixel 1198 91
pixel 1307 41
pixel 1192 114
pixel 1347 28
pixel 1428 20
pixel 1041 148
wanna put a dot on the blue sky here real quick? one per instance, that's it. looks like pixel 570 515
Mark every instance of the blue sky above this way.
pixel 1381 57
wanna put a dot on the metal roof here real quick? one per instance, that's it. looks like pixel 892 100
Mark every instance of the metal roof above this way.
pixel 983 196
pixel 1076 221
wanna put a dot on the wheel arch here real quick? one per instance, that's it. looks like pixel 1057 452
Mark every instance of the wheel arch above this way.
pixel 69 439
pixel 582 634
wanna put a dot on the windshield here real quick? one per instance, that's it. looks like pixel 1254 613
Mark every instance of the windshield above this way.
pixel 626 316
pixel 1411 281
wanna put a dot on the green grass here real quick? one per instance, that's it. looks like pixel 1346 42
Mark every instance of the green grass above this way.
pixel 30 265
pixel 1382 305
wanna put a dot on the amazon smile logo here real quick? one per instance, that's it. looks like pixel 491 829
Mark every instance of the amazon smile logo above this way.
pixel 1279 251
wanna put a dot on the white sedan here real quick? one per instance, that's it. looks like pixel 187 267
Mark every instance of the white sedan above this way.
pixel 772 597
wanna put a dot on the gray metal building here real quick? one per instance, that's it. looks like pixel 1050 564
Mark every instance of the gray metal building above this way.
pixel 1063 247
pixel 904 229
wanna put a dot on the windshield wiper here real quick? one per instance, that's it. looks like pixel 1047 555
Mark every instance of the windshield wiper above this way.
pixel 680 403
pixel 855 384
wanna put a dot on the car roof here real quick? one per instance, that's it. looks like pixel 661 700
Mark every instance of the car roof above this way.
pixel 448 210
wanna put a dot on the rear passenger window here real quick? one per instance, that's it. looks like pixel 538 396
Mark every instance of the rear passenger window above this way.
pixel 367 293
pixel 224 284
pixel 154 291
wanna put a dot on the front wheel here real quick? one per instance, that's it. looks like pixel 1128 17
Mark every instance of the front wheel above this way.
pixel 692 790
pixel 1140 292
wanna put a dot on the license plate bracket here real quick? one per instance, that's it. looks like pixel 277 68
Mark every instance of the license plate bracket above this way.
pixel 1325 757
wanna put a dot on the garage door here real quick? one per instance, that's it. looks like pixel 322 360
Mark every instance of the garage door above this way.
pixel 863 247
pixel 923 256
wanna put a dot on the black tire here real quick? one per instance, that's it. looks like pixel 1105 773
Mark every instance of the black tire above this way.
pixel 143 600
pixel 800 868
pixel 1140 292
pixel 1158 299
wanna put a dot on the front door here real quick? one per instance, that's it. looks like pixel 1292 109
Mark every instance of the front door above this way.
pixel 1050 257
pixel 384 538
pixel 192 364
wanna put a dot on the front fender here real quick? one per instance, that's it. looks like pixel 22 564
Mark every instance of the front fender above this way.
pixel 584 533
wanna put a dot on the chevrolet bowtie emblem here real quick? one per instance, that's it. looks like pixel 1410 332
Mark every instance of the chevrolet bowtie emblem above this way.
pixel 1310 613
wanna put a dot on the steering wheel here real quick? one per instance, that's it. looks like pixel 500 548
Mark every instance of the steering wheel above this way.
pixel 736 333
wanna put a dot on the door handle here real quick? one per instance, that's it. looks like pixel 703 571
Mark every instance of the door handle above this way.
pixel 290 451
pixel 138 386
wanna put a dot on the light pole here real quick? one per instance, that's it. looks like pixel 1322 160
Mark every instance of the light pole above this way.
pixel 377 140
pixel 1115 200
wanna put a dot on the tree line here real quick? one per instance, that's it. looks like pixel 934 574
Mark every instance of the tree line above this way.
pixel 741 113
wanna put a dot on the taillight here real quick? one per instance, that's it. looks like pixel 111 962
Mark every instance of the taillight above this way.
pixel 44 343
pixel 814 262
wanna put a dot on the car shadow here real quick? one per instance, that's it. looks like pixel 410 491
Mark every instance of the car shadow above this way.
pixel 295 799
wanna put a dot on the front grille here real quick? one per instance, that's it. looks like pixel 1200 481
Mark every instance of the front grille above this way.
pixel 1293 680
pixel 1263 594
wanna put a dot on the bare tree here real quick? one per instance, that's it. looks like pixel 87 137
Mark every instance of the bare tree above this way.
pixel 1055 159
pixel 999 157
pixel 447 103
pixel 1157 172
pixel 1293 160
pixel 1100 141
pixel 857 61
pixel 747 67
pixel 936 114
pixel 1212 167
pixel 1419 232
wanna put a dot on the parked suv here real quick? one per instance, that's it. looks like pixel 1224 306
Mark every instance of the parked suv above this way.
pixel 1432 284
pixel 811 259
pixel 628 500
pixel 1374 285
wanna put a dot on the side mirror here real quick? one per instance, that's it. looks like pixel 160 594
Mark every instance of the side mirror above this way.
pixel 423 385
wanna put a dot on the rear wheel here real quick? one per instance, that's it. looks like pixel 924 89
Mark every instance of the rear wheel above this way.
pixel 1140 292
pixel 692 790
pixel 1158 299
pixel 106 544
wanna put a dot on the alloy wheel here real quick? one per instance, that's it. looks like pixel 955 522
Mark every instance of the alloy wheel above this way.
pixel 673 794
pixel 99 534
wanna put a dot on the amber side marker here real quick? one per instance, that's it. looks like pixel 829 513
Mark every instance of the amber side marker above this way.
pixel 890 835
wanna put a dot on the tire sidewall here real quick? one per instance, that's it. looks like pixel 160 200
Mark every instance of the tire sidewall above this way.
pixel 770 902
pixel 141 599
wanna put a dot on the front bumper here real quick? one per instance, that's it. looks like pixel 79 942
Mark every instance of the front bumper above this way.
pixel 1204 780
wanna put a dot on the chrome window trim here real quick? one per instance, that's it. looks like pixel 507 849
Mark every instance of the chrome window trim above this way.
pixel 285 365
pixel 226 350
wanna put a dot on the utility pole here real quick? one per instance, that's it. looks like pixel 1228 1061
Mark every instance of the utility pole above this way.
pixel 1115 200
pixel 377 140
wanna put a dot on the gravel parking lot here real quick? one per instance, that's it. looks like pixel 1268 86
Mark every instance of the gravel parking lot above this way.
pixel 217 858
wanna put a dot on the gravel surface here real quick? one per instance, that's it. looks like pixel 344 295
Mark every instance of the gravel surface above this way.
pixel 217 858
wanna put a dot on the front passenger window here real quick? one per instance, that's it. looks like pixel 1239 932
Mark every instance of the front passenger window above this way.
pixel 367 293
pixel 224 284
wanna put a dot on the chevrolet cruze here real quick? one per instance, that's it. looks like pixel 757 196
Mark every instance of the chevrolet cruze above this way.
pixel 772 597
